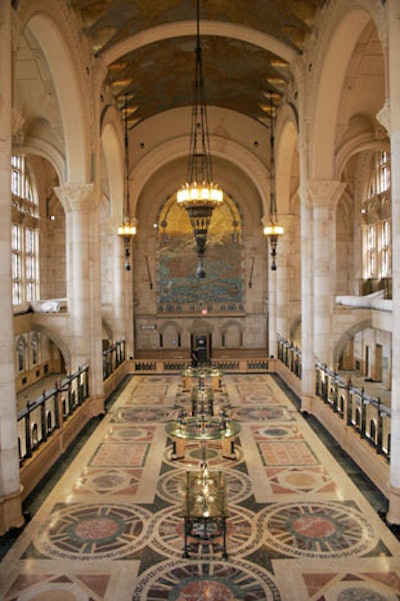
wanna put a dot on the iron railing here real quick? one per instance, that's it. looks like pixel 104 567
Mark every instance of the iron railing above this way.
pixel 41 417
pixel 113 357
pixel 365 414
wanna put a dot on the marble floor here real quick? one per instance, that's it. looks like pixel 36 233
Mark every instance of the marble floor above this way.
pixel 111 529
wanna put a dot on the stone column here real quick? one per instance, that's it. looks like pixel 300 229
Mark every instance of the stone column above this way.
pixel 394 128
pixel 272 311
pixel 324 195
pixel 307 306
pixel 116 279
pixel 83 281
pixel 283 260
pixel 10 488
pixel 129 305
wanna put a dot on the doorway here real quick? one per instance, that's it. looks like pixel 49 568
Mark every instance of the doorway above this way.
pixel 201 344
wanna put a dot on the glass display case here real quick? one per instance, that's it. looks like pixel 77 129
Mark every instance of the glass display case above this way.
pixel 205 510
pixel 203 429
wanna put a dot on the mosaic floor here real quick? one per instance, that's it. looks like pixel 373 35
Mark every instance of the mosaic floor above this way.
pixel 112 528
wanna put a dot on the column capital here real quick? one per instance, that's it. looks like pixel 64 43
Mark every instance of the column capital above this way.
pixel 76 197
pixel 324 192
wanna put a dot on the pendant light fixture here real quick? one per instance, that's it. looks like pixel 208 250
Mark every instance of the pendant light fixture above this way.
pixel 273 230
pixel 199 195
pixel 128 229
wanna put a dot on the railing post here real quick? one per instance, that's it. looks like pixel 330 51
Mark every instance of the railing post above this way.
pixel 348 404
pixel 43 417
pixel 28 441
pixel 379 429
pixel 57 407
pixel 363 414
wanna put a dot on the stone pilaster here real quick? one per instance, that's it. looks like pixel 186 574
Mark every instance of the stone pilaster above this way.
pixel 10 489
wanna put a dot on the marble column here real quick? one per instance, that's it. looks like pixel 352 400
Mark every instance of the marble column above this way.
pixel 80 203
pixel 10 488
pixel 307 305
pixel 272 311
pixel 283 261
pixel 324 195
pixel 117 279
pixel 394 129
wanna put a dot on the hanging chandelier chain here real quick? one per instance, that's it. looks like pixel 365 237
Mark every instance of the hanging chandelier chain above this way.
pixel 127 199
pixel 199 165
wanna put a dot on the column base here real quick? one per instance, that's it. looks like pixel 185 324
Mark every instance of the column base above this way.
pixel 97 405
pixel 307 403
pixel 393 514
pixel 11 515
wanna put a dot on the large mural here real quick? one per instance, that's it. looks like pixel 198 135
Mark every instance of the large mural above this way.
pixel 179 289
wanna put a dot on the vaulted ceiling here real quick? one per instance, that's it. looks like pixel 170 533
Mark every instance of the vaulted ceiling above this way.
pixel 148 47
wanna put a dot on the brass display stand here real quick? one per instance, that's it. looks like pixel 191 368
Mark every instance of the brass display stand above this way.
pixel 202 373
pixel 205 508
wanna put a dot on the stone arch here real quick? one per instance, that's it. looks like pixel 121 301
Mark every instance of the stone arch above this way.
pixel 232 334
pixel 229 150
pixel 185 28
pixel 58 340
pixel 63 58
pixel 111 138
pixel 170 334
pixel 348 335
pixel 286 133
pixel 342 33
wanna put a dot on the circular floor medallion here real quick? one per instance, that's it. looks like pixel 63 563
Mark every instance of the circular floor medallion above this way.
pixel 241 535
pixel 142 414
pixel 188 580
pixel 193 456
pixel 94 532
pixel 170 485
pixel 316 530
pixel 261 414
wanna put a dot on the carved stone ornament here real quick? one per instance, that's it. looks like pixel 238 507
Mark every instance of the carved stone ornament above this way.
pixel 76 197
pixel 325 193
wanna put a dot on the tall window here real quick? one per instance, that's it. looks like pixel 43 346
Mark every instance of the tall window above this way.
pixel 371 251
pixel 386 248
pixel 376 216
pixel 25 233
pixel 383 172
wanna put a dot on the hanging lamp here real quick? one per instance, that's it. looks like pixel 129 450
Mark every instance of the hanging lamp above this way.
pixel 199 195
pixel 128 229
pixel 273 230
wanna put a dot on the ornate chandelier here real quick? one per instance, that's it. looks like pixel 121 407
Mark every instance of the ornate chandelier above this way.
pixel 199 195
pixel 128 229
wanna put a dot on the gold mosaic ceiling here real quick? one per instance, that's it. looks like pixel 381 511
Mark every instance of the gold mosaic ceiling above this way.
pixel 158 76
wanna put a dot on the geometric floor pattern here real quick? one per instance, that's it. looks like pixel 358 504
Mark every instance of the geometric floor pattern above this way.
pixel 112 528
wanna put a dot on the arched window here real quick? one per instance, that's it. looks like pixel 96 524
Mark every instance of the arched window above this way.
pixel 35 349
pixel 21 355
pixel 25 232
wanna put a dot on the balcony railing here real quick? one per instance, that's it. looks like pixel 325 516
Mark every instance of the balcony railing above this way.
pixel 113 357
pixel 366 415
pixel 41 417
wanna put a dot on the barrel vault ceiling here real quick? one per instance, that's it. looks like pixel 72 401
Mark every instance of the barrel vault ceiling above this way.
pixel 156 72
